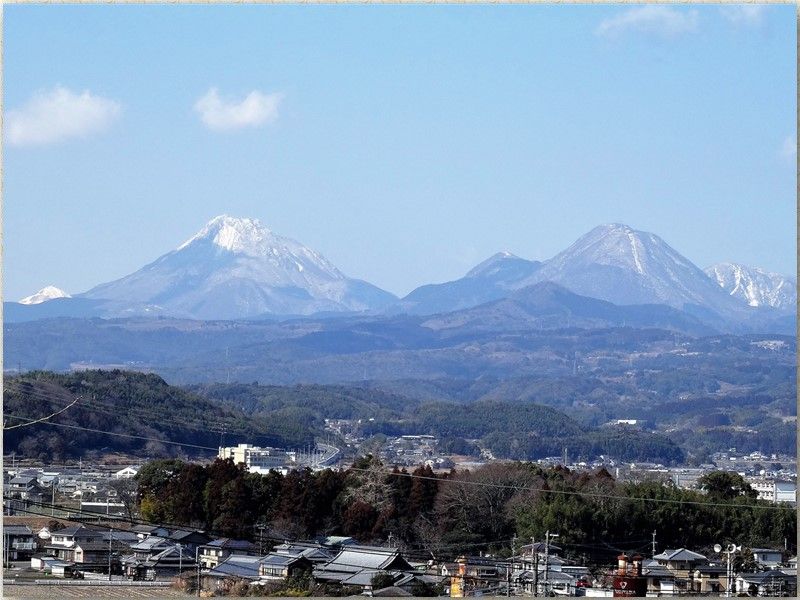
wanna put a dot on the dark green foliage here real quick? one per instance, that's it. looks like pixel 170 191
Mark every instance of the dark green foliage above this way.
pixel 134 404
pixel 594 515
pixel 725 485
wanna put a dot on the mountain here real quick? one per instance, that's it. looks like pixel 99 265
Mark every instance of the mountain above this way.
pixel 547 305
pixel 237 268
pixel 494 278
pixel 624 266
pixel 43 295
pixel 756 287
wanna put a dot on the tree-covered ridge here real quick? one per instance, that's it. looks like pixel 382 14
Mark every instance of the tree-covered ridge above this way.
pixel 594 515
pixel 509 429
pixel 124 404
pixel 331 401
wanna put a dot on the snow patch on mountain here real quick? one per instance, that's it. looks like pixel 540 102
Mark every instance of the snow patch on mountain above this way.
pixel 755 286
pixel 43 295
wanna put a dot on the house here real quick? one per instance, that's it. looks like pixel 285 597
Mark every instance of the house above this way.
pixel 768 558
pixel 682 562
pixel 18 542
pixel 190 540
pixel 160 566
pixel 280 567
pixel 710 579
pixel 660 580
pixel 213 553
pixel 99 555
pixel 352 559
pixel 477 576
pixel 316 553
pixel 134 565
pixel 767 583
pixel 230 571
pixel 63 542
pixel 20 491
pixel 143 531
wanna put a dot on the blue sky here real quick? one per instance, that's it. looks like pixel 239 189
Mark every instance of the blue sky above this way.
pixel 405 143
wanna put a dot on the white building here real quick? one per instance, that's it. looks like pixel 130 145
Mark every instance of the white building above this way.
pixel 257 459
pixel 774 490
pixel 126 473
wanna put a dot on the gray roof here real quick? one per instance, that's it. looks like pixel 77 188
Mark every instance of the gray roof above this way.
pixel 245 567
pixel 23 479
pixel 78 530
pixel 17 530
pixel 764 576
pixel 352 559
pixel 229 544
pixel 151 542
pixel 680 554
pixel 391 592
pixel 313 552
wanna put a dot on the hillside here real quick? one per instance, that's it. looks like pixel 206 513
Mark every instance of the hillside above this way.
pixel 143 415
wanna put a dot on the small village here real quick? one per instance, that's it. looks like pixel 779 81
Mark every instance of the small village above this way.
pixel 101 542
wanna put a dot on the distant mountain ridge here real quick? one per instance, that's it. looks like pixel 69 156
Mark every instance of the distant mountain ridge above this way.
pixel 755 286
pixel 548 305
pixel 236 268
pixel 492 279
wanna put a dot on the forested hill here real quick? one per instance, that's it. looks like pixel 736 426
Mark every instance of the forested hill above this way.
pixel 142 414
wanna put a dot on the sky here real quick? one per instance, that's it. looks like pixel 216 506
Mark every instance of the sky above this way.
pixel 404 143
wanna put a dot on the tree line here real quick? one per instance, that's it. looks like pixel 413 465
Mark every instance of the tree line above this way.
pixel 456 512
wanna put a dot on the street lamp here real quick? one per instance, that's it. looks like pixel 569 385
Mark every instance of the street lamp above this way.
pixel 730 551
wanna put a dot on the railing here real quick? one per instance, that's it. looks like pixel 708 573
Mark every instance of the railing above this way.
pixel 23 546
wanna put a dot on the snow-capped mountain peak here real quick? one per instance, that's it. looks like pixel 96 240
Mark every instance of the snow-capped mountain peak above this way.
pixel 43 295
pixel 617 263
pixel 236 267
pixel 241 235
pixel 755 286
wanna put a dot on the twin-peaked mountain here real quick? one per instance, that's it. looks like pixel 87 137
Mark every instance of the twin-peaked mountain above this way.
pixel 237 268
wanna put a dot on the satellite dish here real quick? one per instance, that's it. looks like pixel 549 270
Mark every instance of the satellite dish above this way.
pixel 717 548
pixel 44 533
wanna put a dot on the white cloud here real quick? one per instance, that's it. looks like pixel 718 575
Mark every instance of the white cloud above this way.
pixel 660 20
pixel 744 14
pixel 254 110
pixel 59 114
pixel 789 148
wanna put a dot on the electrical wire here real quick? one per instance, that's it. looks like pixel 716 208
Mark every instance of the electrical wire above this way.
pixel 42 419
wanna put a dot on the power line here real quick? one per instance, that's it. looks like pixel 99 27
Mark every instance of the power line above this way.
pixel 547 490
pixel 42 419
pixel 142 412
pixel 126 435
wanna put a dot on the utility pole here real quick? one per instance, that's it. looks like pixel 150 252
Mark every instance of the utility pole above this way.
pixel 535 567
pixel 548 535
pixel 654 543
pixel 197 560
pixel 110 536
pixel 511 565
